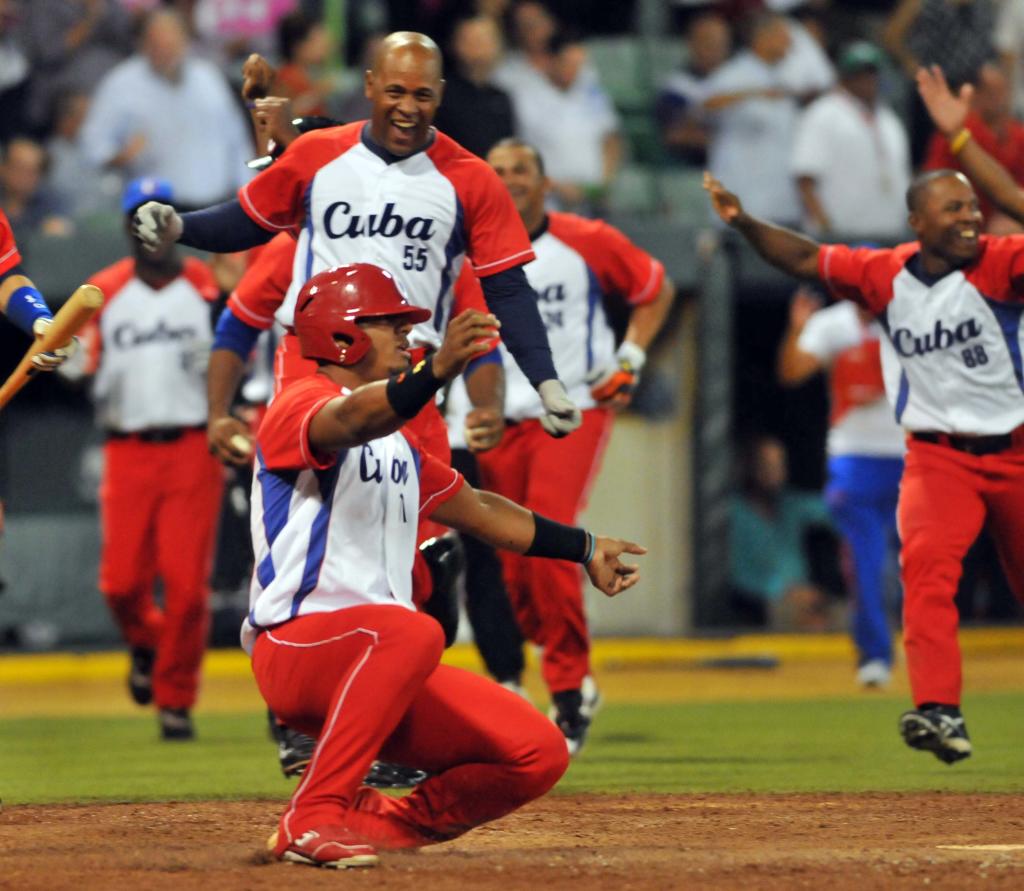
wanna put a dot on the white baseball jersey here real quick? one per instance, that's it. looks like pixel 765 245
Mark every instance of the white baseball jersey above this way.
pixel 956 363
pixel 578 263
pixel 333 531
pixel 861 421
pixel 417 217
pixel 150 348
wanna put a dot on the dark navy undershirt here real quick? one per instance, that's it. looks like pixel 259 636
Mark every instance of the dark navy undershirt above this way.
pixel 222 229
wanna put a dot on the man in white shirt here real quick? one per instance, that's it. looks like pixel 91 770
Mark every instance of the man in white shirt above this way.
pixel 753 113
pixel 851 157
pixel 163 113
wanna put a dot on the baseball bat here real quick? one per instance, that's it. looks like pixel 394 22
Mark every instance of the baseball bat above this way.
pixel 69 320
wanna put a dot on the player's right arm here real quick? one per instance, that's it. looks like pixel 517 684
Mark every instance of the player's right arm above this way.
pixel 949 114
pixel 377 409
pixel 783 248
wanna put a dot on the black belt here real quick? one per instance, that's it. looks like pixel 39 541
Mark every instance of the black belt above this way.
pixel 973 445
pixel 155 434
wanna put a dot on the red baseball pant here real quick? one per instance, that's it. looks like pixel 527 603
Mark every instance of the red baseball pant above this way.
pixel 428 426
pixel 946 496
pixel 366 681
pixel 159 505
pixel 552 477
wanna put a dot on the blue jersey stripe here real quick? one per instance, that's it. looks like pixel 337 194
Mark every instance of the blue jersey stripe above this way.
pixel 277 488
pixel 455 247
pixel 327 480
pixel 1008 316
pixel 594 295
pixel 307 200
pixel 903 396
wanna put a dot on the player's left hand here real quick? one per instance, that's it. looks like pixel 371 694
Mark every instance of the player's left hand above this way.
pixel 52 360
pixel 947 111
pixel 258 77
pixel 484 428
pixel 225 437
pixel 726 205
pixel 561 416
pixel 156 225
pixel 609 574
pixel 613 386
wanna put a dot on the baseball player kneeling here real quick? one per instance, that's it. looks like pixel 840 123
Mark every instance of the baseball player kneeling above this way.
pixel 337 648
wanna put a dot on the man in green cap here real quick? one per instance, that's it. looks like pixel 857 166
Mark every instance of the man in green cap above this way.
pixel 851 156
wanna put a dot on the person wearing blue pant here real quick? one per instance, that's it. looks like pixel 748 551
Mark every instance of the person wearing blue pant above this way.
pixel 865 455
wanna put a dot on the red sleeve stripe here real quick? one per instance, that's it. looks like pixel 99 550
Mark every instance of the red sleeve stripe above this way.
pixel 250 209
pixel 9 260
pixel 507 260
pixel 236 305
pixel 646 294
pixel 441 492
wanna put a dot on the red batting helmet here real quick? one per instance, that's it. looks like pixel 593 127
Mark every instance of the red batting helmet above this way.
pixel 331 302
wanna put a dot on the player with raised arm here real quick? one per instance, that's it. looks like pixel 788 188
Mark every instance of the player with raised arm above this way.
pixel 394 191
pixel 338 649
pixel 951 305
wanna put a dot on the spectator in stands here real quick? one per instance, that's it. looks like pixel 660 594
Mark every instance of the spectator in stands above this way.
pixel 1009 41
pixel 994 128
pixel 304 46
pixel 70 44
pixel 956 34
pixel 14 72
pixel 851 157
pixel 768 567
pixel 533 28
pixel 474 112
pixel 29 205
pixel 680 112
pixel 753 113
pixel 228 30
pixel 71 178
pixel 572 123
pixel 165 114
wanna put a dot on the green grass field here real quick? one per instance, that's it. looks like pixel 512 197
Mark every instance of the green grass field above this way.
pixel 823 745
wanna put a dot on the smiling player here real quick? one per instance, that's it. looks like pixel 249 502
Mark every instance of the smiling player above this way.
pixel 951 305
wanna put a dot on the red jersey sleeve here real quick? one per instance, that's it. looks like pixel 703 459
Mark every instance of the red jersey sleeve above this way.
pixel 283 437
pixel 496 239
pixel 201 277
pixel 262 288
pixel 863 275
pixel 621 267
pixel 999 272
pixel 9 255
pixel 438 481
pixel 275 199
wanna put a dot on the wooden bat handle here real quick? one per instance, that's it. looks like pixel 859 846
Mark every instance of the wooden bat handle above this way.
pixel 69 320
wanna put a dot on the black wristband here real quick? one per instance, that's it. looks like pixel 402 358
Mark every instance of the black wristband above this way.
pixel 411 390
pixel 551 539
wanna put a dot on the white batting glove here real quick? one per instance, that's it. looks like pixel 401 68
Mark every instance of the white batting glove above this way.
pixel 157 224
pixel 561 416
pixel 617 382
pixel 52 360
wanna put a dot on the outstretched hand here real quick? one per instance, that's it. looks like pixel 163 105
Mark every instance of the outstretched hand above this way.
pixel 258 77
pixel 947 111
pixel 609 574
pixel 726 205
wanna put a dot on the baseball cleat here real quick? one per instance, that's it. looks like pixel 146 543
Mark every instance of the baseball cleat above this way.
pixel 330 847
pixel 874 673
pixel 383 775
pixel 140 675
pixel 294 750
pixel 940 730
pixel 573 711
pixel 176 724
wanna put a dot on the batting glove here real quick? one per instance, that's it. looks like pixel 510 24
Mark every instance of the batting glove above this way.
pixel 618 381
pixel 156 224
pixel 50 361
pixel 561 416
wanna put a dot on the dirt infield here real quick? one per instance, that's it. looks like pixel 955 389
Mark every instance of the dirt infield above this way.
pixel 581 842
